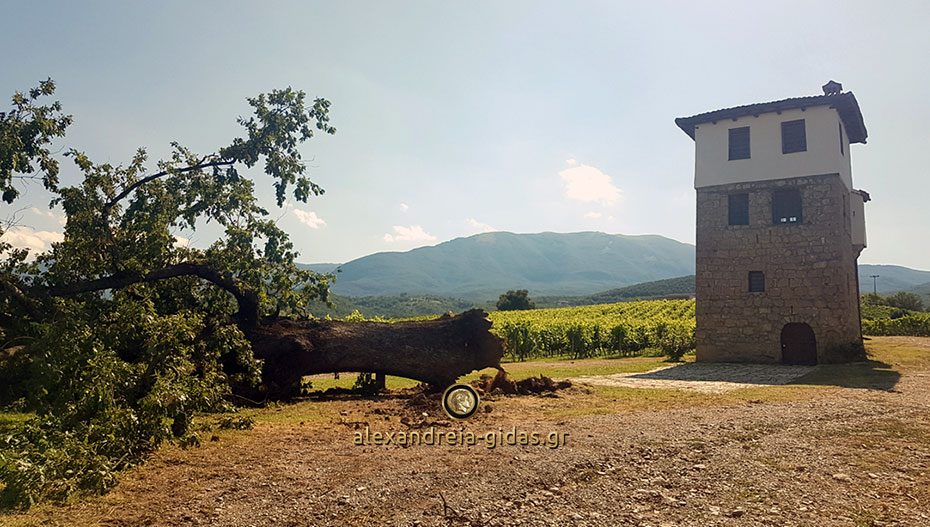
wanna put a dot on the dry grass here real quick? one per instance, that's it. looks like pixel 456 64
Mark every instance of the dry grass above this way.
pixel 867 445
pixel 556 369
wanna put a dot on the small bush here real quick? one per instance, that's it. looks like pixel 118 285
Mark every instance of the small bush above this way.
pixel 676 340
pixel 366 384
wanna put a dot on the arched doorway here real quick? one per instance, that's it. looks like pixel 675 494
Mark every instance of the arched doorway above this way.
pixel 798 345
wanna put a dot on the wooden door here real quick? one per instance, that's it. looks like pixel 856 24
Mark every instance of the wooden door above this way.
pixel 798 345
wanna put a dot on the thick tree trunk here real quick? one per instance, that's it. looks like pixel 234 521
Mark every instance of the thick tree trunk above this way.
pixel 434 351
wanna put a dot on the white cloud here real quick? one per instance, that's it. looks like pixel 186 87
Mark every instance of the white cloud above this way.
pixel 413 233
pixel 404 207
pixel 309 218
pixel 49 214
pixel 571 161
pixel 477 226
pixel 586 183
pixel 593 214
pixel 38 212
pixel 27 238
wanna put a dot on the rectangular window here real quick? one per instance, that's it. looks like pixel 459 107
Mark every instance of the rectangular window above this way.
pixel 739 143
pixel 756 282
pixel 840 125
pixel 738 209
pixel 786 206
pixel 793 137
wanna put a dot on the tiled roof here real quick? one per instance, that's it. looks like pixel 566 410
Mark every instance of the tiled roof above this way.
pixel 845 104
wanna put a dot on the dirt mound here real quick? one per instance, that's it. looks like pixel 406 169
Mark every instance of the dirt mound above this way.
pixel 503 384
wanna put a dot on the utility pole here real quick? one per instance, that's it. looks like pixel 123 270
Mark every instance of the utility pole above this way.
pixel 874 278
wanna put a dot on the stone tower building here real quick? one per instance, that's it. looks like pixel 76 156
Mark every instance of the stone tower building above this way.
pixel 779 229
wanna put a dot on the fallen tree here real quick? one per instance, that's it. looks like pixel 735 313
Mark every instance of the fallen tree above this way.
pixel 433 351
pixel 114 256
pixel 123 333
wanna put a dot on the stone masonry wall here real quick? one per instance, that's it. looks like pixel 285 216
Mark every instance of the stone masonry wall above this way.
pixel 810 272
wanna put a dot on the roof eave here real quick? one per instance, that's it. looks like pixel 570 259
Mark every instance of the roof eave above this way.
pixel 845 104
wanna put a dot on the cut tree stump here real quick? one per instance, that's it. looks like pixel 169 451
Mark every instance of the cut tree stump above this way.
pixel 435 351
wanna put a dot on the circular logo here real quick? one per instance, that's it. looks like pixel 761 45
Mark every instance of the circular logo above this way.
pixel 460 401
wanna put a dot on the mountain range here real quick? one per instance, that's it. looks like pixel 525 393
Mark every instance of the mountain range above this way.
pixel 483 266
pixel 480 268
pixel 892 278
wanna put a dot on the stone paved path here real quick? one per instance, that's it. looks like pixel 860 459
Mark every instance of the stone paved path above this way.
pixel 703 377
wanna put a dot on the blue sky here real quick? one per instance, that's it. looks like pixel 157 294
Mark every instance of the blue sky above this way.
pixel 458 117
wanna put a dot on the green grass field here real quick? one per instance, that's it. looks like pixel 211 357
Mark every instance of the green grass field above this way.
pixel 559 369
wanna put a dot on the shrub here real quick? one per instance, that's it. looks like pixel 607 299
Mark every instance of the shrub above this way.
pixel 676 340
pixel 366 384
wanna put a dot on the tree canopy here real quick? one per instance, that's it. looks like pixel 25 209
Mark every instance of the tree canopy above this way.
pixel 901 300
pixel 117 334
pixel 514 300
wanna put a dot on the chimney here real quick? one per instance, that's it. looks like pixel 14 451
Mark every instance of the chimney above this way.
pixel 832 88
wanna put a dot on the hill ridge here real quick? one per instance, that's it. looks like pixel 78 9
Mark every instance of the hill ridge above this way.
pixel 483 266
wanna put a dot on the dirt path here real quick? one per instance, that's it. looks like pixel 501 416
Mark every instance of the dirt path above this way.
pixel 704 377
pixel 843 457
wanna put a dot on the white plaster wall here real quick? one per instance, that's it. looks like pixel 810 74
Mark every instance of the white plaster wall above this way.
pixel 857 219
pixel 767 162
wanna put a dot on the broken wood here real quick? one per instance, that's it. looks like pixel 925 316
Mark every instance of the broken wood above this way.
pixel 435 351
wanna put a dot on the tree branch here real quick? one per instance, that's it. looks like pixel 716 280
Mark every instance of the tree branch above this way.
pixel 246 297
pixel 29 304
pixel 143 181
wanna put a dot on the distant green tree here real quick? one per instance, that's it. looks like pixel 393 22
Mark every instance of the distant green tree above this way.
pixel 873 299
pixel 900 300
pixel 905 300
pixel 515 301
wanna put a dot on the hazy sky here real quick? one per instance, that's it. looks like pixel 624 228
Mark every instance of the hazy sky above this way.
pixel 459 117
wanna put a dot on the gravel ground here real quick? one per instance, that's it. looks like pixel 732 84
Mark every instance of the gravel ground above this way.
pixel 846 457
pixel 704 377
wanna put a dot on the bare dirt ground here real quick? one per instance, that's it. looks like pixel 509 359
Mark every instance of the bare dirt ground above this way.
pixel 704 377
pixel 782 455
